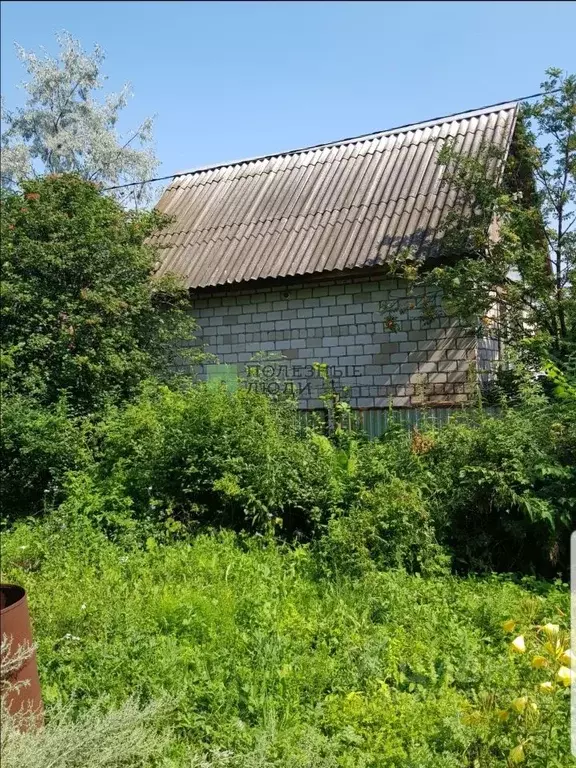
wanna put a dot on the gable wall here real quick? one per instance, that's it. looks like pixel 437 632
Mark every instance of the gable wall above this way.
pixel 341 322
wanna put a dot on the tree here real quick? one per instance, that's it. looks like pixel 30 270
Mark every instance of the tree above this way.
pixel 516 282
pixel 82 315
pixel 63 129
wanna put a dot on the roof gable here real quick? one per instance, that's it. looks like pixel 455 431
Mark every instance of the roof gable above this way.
pixel 349 204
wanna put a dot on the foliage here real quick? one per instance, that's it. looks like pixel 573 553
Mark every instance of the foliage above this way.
pixel 64 129
pixel 38 446
pixel 388 526
pixel 101 736
pixel 505 489
pixel 492 492
pixel 496 491
pixel 81 315
pixel 116 738
pixel 204 456
pixel 266 663
pixel 516 283
pixel 519 725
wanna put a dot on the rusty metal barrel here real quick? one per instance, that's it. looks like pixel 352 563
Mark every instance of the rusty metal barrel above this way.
pixel 16 628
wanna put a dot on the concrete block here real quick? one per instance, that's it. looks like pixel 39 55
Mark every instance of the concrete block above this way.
pixel 417 357
pixel 428 367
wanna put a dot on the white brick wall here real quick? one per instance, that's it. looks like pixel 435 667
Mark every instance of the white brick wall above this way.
pixel 376 338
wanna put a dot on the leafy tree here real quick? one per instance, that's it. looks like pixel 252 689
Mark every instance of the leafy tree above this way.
pixel 82 315
pixel 63 128
pixel 518 233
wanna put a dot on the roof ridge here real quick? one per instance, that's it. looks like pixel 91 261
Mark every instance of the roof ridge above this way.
pixel 407 127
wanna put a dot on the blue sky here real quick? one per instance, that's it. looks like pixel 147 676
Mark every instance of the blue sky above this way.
pixel 233 80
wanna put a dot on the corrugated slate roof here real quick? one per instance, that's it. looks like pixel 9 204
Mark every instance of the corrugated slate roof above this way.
pixel 345 205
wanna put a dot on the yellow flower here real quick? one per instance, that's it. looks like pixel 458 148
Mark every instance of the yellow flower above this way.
pixel 551 630
pixel 517 754
pixel 503 714
pixel 564 676
pixel 518 645
pixel 567 658
pixel 533 706
pixel 546 687
pixel 553 647
pixel 539 661
pixel 519 704
pixel 508 625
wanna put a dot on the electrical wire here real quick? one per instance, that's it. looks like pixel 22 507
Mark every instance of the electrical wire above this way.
pixel 327 144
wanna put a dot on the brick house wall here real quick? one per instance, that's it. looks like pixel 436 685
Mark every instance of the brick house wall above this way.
pixel 377 339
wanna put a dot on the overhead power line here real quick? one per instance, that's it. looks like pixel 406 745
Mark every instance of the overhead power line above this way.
pixel 326 144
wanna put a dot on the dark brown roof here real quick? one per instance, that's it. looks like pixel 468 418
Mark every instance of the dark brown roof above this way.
pixel 345 205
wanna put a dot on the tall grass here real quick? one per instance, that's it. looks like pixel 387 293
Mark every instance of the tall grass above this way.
pixel 265 661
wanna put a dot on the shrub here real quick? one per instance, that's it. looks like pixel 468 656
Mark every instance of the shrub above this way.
pixel 517 724
pixel 388 526
pixel 505 488
pixel 203 456
pixel 98 738
pixel 38 446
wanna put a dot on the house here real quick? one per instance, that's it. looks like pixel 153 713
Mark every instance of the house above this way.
pixel 287 259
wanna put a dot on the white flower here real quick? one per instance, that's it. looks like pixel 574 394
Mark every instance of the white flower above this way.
pixel 518 645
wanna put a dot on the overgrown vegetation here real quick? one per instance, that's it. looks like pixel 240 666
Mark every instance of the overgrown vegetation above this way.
pixel 483 493
pixel 268 663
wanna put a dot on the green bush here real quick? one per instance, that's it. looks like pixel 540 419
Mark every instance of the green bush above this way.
pixel 497 492
pixel 38 446
pixel 505 488
pixel 199 456
pixel 388 526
